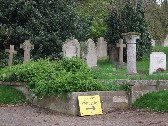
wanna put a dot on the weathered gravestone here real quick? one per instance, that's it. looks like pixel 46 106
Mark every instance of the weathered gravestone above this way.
pixel 101 48
pixel 112 53
pixel 27 46
pixel 153 42
pixel 120 45
pixel 166 41
pixel 157 62
pixel 11 52
pixel 131 51
pixel 91 56
pixel 71 48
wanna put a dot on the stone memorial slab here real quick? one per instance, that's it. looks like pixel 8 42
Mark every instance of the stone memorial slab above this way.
pixel 91 56
pixel 120 45
pixel 101 48
pixel 71 48
pixel 11 52
pixel 166 41
pixel 157 61
pixel 27 46
pixel 153 42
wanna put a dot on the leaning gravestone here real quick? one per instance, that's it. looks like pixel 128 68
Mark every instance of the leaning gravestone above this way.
pixel 91 56
pixel 71 48
pixel 153 42
pixel 157 61
pixel 11 51
pixel 27 46
pixel 120 45
pixel 166 41
pixel 101 48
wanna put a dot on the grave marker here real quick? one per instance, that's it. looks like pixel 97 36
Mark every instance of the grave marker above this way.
pixel 120 45
pixel 101 48
pixel 131 51
pixel 157 61
pixel 27 46
pixel 71 48
pixel 11 52
pixel 91 56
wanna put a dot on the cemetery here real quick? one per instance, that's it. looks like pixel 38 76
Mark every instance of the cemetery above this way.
pixel 76 66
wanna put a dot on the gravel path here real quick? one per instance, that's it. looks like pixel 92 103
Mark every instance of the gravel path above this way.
pixel 32 116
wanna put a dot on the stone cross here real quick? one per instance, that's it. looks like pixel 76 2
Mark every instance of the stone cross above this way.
pixel 121 46
pixel 27 46
pixel 131 51
pixel 11 51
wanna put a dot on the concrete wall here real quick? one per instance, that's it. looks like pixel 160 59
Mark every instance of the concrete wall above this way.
pixel 110 100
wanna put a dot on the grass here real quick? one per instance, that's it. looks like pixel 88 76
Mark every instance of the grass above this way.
pixel 155 101
pixel 9 95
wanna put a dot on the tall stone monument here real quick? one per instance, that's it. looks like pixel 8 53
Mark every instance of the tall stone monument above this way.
pixel 11 52
pixel 166 41
pixel 120 45
pixel 131 38
pixel 101 48
pixel 27 46
pixel 91 56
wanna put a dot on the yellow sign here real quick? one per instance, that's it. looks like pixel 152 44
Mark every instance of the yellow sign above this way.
pixel 90 105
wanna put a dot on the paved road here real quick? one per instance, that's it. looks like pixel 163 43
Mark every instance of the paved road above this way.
pixel 32 116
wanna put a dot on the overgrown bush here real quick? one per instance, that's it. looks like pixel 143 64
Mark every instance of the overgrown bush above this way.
pixel 46 77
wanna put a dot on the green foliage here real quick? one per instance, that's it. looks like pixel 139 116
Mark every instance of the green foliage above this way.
pixel 9 95
pixel 46 77
pixel 96 10
pixel 156 101
pixel 47 23
pixel 126 20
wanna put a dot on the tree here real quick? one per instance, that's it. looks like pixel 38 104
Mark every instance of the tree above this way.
pixel 48 23
pixel 129 19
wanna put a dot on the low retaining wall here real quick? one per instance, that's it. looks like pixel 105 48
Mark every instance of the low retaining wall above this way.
pixel 110 100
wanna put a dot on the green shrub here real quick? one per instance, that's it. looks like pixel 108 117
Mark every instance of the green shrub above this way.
pixel 46 77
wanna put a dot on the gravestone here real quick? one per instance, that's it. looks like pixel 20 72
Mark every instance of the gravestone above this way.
pixel 27 46
pixel 112 53
pixel 11 52
pixel 157 61
pixel 101 48
pixel 131 51
pixel 120 45
pixel 91 56
pixel 153 42
pixel 166 41
pixel 71 48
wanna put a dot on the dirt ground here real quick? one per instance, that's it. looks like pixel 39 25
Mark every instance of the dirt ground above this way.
pixel 33 116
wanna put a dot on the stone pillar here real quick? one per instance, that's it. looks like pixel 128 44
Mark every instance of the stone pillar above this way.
pixel 131 51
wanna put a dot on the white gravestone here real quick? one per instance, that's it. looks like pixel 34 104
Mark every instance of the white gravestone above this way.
pixel 71 48
pixel 11 52
pixel 120 45
pixel 166 41
pixel 101 48
pixel 91 56
pixel 27 46
pixel 157 60
pixel 131 51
